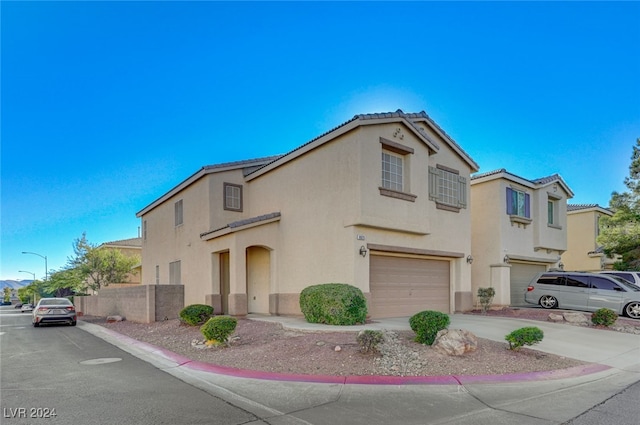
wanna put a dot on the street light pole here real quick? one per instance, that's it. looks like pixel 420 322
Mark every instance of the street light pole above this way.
pixel 34 279
pixel 46 269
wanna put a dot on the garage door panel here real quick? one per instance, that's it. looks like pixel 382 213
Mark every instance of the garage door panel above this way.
pixel 404 286
pixel 521 275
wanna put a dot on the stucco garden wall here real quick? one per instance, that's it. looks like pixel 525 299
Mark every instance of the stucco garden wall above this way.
pixel 144 303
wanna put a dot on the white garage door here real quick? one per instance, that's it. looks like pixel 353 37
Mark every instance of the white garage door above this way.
pixel 404 286
pixel 521 275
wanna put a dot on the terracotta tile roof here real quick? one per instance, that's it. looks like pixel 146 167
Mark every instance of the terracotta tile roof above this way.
pixel 409 117
pixel 579 207
pixel 548 179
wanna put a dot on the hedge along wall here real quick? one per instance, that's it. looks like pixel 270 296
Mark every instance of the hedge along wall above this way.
pixel 140 303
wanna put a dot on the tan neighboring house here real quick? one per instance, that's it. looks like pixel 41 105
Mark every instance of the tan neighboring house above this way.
pixel 379 202
pixel 583 227
pixel 519 228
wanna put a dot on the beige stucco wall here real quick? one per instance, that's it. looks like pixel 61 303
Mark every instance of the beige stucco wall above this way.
pixel 582 228
pixel 167 243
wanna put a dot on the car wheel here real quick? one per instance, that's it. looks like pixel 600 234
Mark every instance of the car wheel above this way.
pixel 73 323
pixel 633 310
pixel 36 324
pixel 547 301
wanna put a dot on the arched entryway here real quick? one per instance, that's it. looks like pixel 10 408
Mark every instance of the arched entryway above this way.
pixel 258 279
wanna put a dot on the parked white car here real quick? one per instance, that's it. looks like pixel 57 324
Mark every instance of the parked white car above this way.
pixel 584 291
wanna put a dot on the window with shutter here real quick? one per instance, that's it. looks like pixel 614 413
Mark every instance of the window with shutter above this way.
pixel 448 188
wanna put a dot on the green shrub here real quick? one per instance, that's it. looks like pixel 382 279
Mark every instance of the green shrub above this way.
pixel 196 314
pixel 524 336
pixel 219 328
pixel 333 304
pixel 604 316
pixel 426 324
pixel 485 296
pixel 368 340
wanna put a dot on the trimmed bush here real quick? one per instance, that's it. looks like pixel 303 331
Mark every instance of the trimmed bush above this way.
pixel 196 314
pixel 524 336
pixel 218 329
pixel 604 316
pixel 333 304
pixel 368 340
pixel 426 324
pixel 485 296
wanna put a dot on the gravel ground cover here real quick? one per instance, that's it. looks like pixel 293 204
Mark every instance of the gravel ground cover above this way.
pixel 269 347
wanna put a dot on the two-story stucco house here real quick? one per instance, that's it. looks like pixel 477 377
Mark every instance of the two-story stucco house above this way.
pixel 583 227
pixel 518 228
pixel 379 202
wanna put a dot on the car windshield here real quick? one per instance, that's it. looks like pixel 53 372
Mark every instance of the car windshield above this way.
pixel 624 282
pixel 57 301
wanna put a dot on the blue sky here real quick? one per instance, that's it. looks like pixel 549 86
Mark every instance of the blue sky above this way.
pixel 107 105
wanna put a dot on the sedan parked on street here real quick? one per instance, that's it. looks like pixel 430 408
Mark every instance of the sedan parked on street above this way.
pixel 54 310
pixel 26 307
pixel 584 291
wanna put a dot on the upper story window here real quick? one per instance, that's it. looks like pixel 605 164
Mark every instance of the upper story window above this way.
pixel 448 188
pixel 178 213
pixel 144 229
pixel 232 197
pixel 518 203
pixel 392 171
pixel 395 170
pixel 553 211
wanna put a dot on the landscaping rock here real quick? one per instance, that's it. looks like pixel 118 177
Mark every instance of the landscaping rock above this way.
pixel 554 317
pixel 455 342
pixel 577 318
pixel 113 319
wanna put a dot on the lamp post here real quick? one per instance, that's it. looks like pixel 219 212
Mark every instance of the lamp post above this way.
pixel 34 279
pixel 46 268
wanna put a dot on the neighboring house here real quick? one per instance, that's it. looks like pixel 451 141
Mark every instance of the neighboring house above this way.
pixel 583 227
pixel 519 228
pixel 131 248
pixel 379 202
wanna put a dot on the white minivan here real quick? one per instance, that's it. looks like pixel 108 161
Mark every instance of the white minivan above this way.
pixel 584 291
pixel 633 277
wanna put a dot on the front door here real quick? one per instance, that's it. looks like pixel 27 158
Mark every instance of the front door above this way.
pixel 224 282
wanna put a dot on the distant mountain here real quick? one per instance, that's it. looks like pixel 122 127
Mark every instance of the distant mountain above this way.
pixel 14 284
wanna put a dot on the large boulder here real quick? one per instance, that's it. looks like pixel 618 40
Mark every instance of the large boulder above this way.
pixel 455 342
pixel 574 317
pixel 554 317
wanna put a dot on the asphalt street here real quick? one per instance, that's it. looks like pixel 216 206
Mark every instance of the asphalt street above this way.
pixel 60 374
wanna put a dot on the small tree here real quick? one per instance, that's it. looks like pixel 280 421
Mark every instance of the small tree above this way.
pixel 64 282
pixel 100 266
pixel 485 296
pixel 620 233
